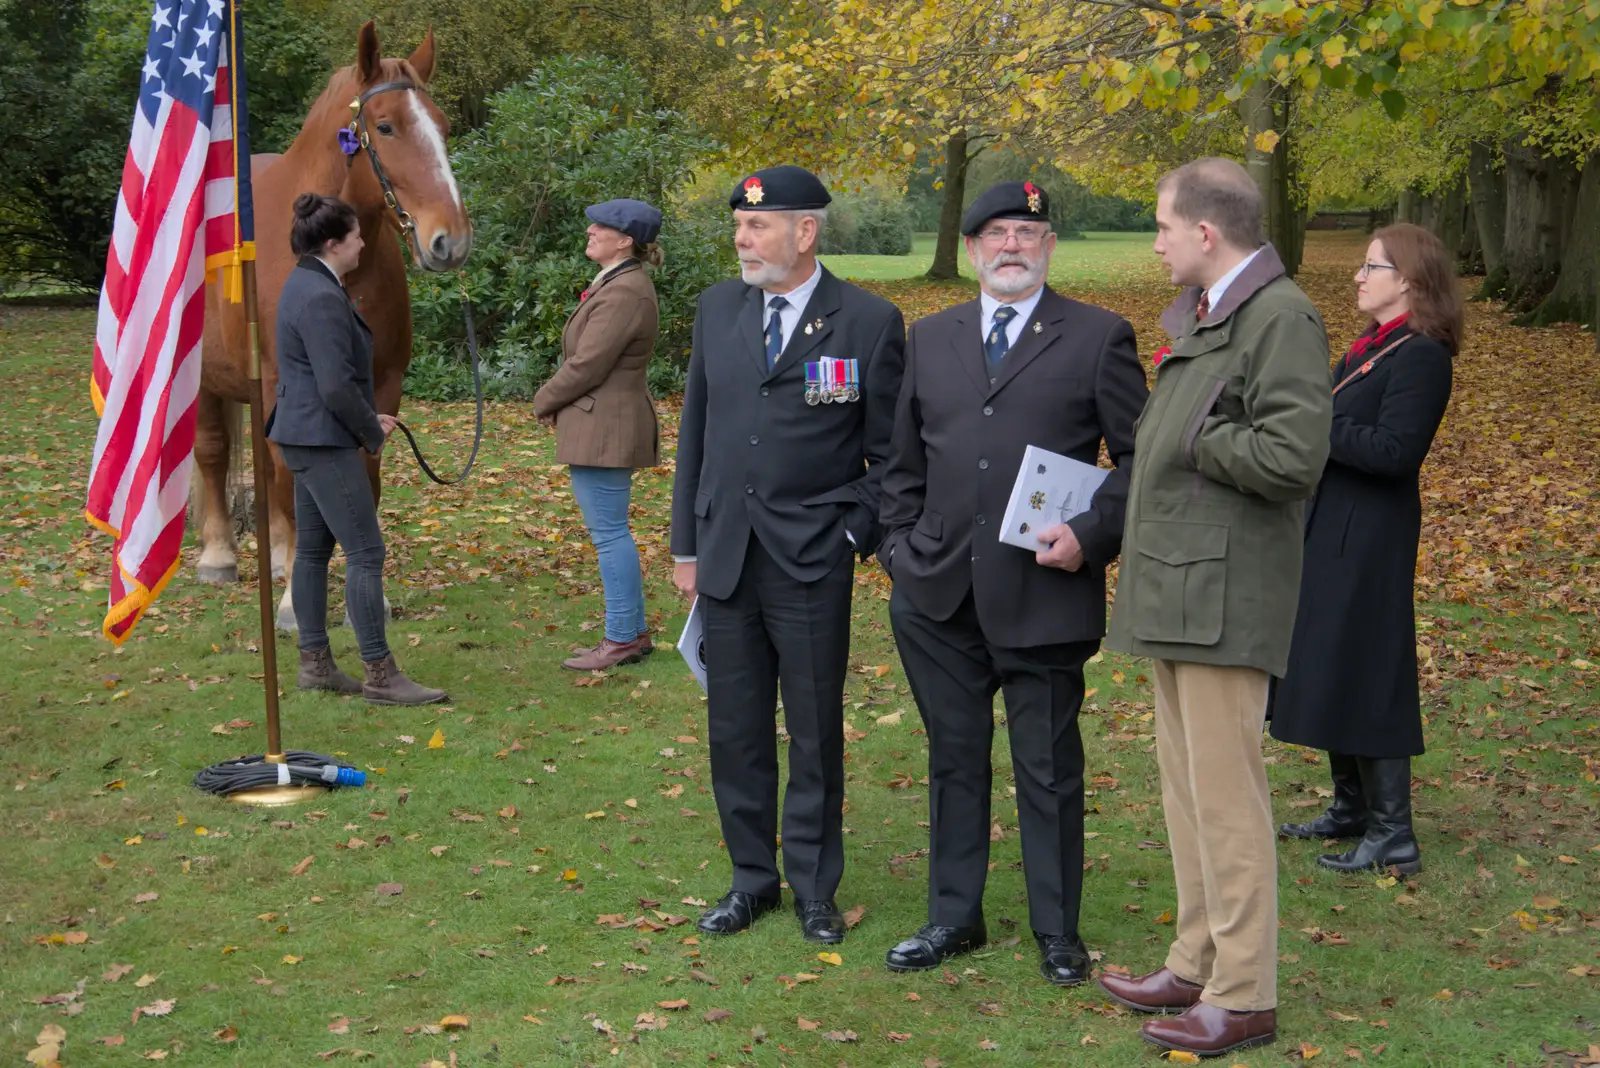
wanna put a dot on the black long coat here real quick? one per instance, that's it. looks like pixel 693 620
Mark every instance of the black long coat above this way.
pixel 1351 686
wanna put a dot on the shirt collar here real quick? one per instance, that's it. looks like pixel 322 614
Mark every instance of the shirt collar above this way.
pixel 800 296
pixel 1220 286
pixel 326 266
pixel 1024 307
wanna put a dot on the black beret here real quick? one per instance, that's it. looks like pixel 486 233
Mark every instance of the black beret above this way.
pixel 1006 200
pixel 633 217
pixel 785 188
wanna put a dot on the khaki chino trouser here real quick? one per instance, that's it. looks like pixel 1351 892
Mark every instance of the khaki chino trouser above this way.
pixel 1219 827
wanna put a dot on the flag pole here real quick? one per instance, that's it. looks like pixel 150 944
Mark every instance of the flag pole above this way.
pixel 260 461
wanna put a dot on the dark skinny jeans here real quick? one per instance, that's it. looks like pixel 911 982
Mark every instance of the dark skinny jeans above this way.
pixel 333 505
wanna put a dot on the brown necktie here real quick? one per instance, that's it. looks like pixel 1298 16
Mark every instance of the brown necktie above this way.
pixel 1203 309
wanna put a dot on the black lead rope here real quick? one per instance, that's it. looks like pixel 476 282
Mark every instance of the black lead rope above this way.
pixel 477 432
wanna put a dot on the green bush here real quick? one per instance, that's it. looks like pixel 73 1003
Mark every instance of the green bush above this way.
pixel 578 131
pixel 869 223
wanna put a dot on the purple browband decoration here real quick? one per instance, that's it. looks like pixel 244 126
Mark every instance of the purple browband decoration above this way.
pixel 349 143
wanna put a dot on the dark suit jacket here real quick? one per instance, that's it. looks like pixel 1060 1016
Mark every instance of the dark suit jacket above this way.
pixel 753 456
pixel 324 354
pixel 960 432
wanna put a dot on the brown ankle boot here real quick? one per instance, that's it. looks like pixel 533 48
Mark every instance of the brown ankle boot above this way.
pixel 319 672
pixel 387 686
pixel 608 654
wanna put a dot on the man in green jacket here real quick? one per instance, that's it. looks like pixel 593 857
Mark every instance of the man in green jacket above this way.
pixel 1231 443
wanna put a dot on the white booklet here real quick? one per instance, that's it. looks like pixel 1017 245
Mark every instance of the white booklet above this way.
pixel 692 644
pixel 1050 489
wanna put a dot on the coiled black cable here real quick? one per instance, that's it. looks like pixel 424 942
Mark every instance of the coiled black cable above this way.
pixel 299 768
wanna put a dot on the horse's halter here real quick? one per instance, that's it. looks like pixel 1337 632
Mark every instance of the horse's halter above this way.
pixel 357 132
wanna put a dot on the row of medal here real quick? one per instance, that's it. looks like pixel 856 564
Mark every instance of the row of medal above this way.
pixel 830 381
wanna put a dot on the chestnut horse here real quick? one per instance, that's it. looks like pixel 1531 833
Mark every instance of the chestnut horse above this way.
pixel 408 134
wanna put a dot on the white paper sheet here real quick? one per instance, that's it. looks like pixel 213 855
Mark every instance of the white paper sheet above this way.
pixel 692 644
pixel 1050 489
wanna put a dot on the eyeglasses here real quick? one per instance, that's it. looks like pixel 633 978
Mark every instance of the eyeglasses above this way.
pixel 1368 268
pixel 1027 236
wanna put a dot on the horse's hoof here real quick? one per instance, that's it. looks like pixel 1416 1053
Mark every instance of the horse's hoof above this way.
pixel 218 575
pixel 286 620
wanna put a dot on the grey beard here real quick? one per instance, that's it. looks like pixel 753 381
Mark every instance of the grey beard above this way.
pixel 1009 284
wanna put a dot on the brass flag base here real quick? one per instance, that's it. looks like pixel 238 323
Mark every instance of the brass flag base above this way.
pixel 277 796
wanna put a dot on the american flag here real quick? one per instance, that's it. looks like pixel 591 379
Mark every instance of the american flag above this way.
pixel 183 211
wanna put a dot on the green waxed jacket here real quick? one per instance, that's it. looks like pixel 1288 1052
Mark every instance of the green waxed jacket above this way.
pixel 1230 445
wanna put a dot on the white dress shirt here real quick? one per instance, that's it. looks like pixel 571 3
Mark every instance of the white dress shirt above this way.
pixel 1024 309
pixel 789 316
pixel 797 299
pixel 1220 286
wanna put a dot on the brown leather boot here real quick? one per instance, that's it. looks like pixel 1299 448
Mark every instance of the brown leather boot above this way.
pixel 1208 1031
pixel 608 654
pixel 319 672
pixel 387 686
pixel 646 646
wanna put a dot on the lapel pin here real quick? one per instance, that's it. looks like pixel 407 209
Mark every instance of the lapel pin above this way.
pixel 808 328
pixel 1037 329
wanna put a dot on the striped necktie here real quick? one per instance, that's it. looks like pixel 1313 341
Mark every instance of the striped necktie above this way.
pixel 995 345
pixel 1204 307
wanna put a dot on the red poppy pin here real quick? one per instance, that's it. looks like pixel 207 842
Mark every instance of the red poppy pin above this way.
pixel 1033 196
pixel 753 191
pixel 1162 353
pixel 583 296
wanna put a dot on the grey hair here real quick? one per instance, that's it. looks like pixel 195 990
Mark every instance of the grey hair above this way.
pixel 819 214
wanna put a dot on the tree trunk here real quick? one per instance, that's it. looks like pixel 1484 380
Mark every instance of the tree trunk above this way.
pixel 1573 298
pixel 945 266
pixel 1469 253
pixel 1539 192
pixel 1450 215
pixel 1488 187
pixel 1266 107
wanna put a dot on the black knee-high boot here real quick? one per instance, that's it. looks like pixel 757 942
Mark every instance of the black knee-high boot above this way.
pixel 1346 816
pixel 1390 841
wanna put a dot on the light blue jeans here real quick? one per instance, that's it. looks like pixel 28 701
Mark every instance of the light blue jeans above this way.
pixel 603 495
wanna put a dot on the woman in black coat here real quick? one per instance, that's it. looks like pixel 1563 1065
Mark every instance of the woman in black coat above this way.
pixel 1351 686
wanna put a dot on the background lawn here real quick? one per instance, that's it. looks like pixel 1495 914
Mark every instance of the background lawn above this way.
pixel 1102 262
pixel 554 848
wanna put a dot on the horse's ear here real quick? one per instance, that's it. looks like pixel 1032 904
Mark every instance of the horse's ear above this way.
pixel 422 59
pixel 368 53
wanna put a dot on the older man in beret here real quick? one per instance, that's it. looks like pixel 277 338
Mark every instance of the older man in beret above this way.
pixel 1021 365
pixel 786 420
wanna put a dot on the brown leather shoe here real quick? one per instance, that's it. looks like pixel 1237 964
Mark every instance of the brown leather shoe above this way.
pixel 608 654
pixel 1209 1031
pixel 387 685
pixel 319 672
pixel 646 646
pixel 1159 991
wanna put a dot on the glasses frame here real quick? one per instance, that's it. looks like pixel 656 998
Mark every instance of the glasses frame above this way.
pixel 1025 236
pixel 1366 269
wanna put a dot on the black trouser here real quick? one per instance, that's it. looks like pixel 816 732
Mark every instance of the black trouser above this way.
pixel 333 504
pixel 775 630
pixel 954 673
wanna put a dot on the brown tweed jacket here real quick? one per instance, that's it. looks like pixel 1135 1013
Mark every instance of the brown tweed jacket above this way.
pixel 604 414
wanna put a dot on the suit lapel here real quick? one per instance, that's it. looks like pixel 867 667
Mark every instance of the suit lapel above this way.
pixel 966 343
pixel 1038 334
pixel 748 329
pixel 824 304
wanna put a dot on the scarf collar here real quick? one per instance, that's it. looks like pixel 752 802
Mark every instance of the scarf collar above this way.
pixel 1375 337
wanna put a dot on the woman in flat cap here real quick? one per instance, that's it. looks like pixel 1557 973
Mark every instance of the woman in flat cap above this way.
pixel 599 403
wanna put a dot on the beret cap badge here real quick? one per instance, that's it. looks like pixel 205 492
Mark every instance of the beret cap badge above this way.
pixel 1033 196
pixel 753 192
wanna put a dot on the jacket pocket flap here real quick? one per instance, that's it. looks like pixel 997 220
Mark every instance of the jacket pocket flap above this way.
pixel 930 524
pixel 702 504
pixel 585 402
pixel 1179 543
pixel 1203 341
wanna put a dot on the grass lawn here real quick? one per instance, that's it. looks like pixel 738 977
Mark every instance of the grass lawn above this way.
pixel 1101 262
pixel 552 850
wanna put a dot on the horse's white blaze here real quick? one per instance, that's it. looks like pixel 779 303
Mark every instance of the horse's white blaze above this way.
pixel 435 141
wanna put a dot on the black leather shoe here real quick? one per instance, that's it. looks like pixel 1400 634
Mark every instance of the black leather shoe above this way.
pixel 1065 959
pixel 736 911
pixel 820 921
pixel 933 945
